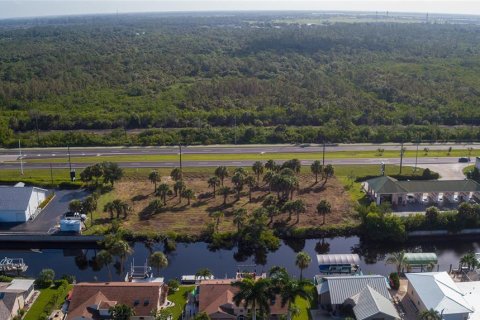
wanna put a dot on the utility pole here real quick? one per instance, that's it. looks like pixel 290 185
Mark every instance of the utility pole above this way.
pixel 51 173
pixel 180 154
pixel 416 155
pixel 69 159
pixel 323 156
pixel 20 156
pixel 401 157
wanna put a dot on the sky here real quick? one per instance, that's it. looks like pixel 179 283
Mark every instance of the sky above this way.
pixel 36 8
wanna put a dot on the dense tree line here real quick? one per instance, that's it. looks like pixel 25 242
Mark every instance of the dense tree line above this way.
pixel 350 80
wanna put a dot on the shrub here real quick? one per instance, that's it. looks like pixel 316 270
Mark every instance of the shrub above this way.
pixel 432 214
pixel 394 280
pixel 173 284
pixel 45 278
pixel 68 185
pixel 4 278
pixel 69 278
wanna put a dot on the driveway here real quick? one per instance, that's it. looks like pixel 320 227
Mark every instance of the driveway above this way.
pixel 448 171
pixel 50 215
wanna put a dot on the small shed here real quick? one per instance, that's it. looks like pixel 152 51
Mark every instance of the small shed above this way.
pixel 338 263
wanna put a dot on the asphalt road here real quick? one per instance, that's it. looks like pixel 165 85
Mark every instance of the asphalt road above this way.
pixel 39 153
pixel 231 163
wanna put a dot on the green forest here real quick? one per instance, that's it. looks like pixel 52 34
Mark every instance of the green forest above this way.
pixel 246 78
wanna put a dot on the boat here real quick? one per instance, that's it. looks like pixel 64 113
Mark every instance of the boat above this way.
pixel 193 279
pixel 13 266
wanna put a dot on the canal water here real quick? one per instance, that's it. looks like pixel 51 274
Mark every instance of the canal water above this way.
pixel 188 258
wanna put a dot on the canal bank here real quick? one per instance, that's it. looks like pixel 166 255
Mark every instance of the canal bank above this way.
pixel 79 259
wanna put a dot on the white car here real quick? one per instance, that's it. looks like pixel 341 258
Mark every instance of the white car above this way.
pixel 425 199
pixel 455 198
pixel 440 198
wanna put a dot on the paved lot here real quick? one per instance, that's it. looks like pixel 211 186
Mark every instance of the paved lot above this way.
pixel 49 217
pixel 453 171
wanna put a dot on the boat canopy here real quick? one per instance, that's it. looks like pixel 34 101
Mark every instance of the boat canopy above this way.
pixel 338 259
pixel 422 258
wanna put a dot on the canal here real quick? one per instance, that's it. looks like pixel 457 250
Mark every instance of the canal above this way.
pixel 189 257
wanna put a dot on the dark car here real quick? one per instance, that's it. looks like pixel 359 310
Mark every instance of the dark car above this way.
pixel 463 159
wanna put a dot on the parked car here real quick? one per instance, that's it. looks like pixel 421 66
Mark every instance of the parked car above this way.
pixel 463 159
pixel 472 201
pixel 410 198
pixel 455 198
pixel 425 199
pixel 440 198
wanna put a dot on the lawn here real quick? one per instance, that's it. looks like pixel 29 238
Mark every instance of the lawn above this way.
pixel 304 305
pixel 35 176
pixel 38 307
pixel 262 156
pixel 179 297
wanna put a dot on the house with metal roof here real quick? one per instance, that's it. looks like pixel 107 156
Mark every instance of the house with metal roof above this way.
pixel 19 203
pixel 367 296
pixel 437 291
pixel 387 189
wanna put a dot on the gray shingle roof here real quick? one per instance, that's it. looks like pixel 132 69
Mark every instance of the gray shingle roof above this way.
pixel 389 185
pixel 342 288
pixel 16 198
pixel 369 302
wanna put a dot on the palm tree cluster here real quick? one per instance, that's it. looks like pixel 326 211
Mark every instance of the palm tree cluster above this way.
pixel 113 246
pixel 109 171
pixel 257 295
pixel 118 207
pixel 239 180
pixel 325 172
pixel 179 188
pixel 469 261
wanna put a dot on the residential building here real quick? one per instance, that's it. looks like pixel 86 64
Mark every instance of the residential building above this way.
pixel 367 296
pixel 92 301
pixel 437 291
pixel 215 298
pixel 20 204
pixel 14 296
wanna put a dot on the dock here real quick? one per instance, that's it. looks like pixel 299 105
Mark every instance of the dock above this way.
pixel 12 266
pixel 47 238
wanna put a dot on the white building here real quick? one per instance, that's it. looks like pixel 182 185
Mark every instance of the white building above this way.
pixel 20 204
pixel 437 290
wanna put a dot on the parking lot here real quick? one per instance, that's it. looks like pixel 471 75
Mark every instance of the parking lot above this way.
pixel 50 215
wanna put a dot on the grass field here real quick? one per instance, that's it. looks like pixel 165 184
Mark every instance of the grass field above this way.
pixel 261 156
pixel 179 297
pixel 39 305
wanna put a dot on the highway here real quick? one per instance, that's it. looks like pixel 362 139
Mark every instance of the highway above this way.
pixel 422 162
pixel 42 153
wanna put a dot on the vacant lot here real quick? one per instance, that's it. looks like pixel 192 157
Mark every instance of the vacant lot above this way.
pixel 180 217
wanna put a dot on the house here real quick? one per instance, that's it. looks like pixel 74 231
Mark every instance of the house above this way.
pixel 437 290
pixel 366 296
pixel 387 189
pixel 215 298
pixel 19 203
pixel 14 296
pixel 92 301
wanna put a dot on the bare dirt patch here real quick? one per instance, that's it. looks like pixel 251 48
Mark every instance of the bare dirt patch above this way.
pixel 192 219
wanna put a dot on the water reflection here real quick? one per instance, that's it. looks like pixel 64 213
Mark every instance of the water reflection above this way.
pixel 190 257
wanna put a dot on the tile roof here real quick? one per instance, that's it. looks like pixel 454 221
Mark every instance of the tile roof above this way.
pixel 16 198
pixel 342 288
pixel 369 303
pixel 438 291
pixel 86 297
pixel 216 296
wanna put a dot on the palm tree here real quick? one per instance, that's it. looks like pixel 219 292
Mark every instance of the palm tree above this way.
pixel 203 273
pixel 292 289
pixel 75 206
pixel 224 191
pixel 253 293
pixel 316 169
pixel 154 177
pixel 121 312
pixel 239 218
pixel 178 187
pixel 217 215
pixel 189 194
pixel 257 168
pixel 469 261
pixel 298 207
pixel 295 165
pixel 251 183
pixel 324 207
pixel 238 181
pixel 328 172
pixel 302 261
pixel 267 178
pixel 89 205
pixel 398 259
pixel 221 172
pixel 431 314
pixel 176 174
pixel 271 165
pixel 213 183
pixel 110 208
pixel 121 207
pixel 162 191
pixel 111 172
pixel 120 249
pixel 158 260
pixel 104 258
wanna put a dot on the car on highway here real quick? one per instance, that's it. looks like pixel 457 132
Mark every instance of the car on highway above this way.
pixel 463 159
